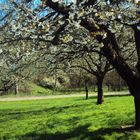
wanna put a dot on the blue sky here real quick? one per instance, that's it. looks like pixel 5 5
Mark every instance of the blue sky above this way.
pixel 3 3
pixel 33 4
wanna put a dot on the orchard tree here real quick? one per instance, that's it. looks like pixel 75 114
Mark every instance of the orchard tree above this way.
pixel 84 48
pixel 90 60
pixel 16 64
pixel 96 65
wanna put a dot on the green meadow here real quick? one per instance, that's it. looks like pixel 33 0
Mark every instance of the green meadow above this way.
pixel 67 119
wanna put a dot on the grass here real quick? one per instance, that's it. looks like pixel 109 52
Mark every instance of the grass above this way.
pixel 38 90
pixel 72 119
pixel 34 90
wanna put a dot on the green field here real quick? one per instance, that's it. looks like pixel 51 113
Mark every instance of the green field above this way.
pixel 62 119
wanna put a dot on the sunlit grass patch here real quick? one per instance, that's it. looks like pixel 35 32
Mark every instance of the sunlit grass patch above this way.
pixel 61 119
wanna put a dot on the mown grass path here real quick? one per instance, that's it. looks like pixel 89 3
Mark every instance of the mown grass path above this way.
pixel 60 96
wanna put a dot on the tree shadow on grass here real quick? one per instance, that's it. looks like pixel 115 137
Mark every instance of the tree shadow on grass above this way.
pixel 34 112
pixel 18 114
pixel 83 133
pixel 78 132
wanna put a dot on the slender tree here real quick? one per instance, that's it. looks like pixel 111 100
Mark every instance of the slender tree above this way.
pixel 96 65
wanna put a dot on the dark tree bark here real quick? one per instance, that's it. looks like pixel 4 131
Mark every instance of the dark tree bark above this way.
pixel 137 111
pixel 86 89
pixel 136 83
pixel 132 78
pixel 100 96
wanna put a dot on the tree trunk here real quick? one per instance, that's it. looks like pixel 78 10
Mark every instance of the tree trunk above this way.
pixel 100 96
pixel 16 88
pixel 86 89
pixel 137 111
